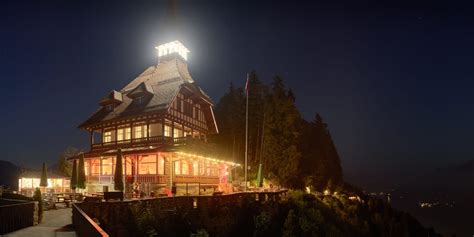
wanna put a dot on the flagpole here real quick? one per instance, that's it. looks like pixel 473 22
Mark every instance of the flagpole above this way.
pixel 246 129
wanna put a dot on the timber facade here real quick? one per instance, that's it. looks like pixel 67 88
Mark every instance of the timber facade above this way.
pixel 152 120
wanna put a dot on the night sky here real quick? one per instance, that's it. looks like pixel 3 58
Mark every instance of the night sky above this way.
pixel 394 82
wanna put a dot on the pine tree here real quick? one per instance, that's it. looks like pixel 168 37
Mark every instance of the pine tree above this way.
pixel 294 152
pixel 64 166
pixel 256 93
pixel 230 116
pixel 281 153
pixel 320 156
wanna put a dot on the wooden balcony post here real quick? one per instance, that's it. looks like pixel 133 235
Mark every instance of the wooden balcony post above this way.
pixel 163 129
pixel 92 137
pixel 183 137
pixel 171 167
pixel 147 129
pixel 172 131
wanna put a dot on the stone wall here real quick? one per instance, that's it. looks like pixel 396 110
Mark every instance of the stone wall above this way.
pixel 178 216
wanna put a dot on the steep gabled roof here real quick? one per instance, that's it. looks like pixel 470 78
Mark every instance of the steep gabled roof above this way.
pixel 161 82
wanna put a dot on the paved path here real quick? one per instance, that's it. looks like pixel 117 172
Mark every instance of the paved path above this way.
pixel 52 224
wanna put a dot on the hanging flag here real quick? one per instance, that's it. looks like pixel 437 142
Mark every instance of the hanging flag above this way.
pixel 247 86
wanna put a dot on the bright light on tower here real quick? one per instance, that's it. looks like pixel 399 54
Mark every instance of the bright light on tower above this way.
pixel 173 47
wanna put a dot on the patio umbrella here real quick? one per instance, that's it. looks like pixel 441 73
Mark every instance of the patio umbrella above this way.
pixel 118 176
pixel 81 173
pixel 74 175
pixel 44 177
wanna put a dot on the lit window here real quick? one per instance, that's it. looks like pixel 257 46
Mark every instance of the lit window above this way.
pixel 95 167
pixel 178 132
pixel 128 165
pixel 123 134
pixel 36 183
pixel 154 129
pixel 185 167
pixel 195 168
pixel 147 165
pixel 139 131
pixel 108 136
pixel 161 165
pixel 86 168
pixel 167 131
pixel 202 169
pixel 177 167
pixel 109 107
pixel 107 166
pixel 26 183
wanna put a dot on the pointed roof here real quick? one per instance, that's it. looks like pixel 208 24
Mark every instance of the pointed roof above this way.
pixel 161 83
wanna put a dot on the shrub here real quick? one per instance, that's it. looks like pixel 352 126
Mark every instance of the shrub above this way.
pixel 37 197
pixel 200 233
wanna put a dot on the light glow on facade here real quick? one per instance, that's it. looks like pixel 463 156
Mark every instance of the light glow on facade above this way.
pixel 208 158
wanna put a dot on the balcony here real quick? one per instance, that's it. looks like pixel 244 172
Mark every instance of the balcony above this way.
pixel 140 142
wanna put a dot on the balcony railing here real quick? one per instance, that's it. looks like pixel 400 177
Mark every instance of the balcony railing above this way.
pixel 136 142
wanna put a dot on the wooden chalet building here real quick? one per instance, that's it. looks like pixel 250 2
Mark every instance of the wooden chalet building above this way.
pixel 151 119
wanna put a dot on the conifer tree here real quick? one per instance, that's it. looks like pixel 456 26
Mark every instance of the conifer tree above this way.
pixel 230 115
pixel 294 152
pixel 281 154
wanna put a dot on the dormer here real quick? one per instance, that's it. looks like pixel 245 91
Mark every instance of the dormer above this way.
pixel 113 99
pixel 140 93
pixel 171 50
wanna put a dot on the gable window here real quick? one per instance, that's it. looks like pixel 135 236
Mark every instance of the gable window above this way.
pixel 139 100
pixel 109 107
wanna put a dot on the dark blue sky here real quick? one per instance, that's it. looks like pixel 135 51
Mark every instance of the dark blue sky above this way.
pixel 394 82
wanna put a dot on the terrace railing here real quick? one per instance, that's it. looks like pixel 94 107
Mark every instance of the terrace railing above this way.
pixel 144 141
pixel 15 215
pixel 84 225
